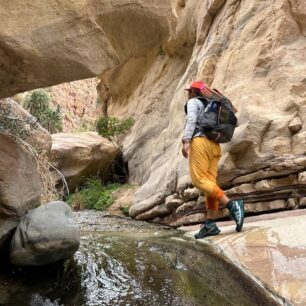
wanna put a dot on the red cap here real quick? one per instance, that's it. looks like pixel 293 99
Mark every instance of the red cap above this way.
pixel 196 85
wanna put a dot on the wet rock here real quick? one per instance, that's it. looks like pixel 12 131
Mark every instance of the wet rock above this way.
pixel 273 250
pixel 80 155
pixel 7 225
pixel 45 235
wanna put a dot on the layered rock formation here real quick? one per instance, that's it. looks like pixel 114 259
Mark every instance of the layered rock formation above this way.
pixel 253 51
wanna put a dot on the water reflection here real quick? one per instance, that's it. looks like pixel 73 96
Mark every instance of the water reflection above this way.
pixel 130 269
pixel 123 270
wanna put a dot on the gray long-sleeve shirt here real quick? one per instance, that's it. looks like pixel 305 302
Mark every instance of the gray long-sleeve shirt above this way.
pixel 192 129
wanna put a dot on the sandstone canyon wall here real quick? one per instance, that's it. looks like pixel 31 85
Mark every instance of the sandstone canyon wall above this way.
pixel 145 52
pixel 253 51
pixel 44 43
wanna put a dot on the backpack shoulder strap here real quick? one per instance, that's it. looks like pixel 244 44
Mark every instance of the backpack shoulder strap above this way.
pixel 203 100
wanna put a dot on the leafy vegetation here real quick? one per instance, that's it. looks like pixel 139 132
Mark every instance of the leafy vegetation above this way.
pixel 110 127
pixel 125 210
pixel 93 195
pixel 38 104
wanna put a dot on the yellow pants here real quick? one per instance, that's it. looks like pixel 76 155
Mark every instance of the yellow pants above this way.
pixel 204 155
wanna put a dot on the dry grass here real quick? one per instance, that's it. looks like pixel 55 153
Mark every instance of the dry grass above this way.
pixel 47 172
pixel 15 128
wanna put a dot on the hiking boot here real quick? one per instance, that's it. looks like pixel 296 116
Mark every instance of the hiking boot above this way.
pixel 237 213
pixel 206 231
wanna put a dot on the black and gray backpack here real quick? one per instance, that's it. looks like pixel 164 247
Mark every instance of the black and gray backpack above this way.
pixel 217 119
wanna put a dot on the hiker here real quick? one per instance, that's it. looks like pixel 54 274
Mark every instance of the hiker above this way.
pixel 204 155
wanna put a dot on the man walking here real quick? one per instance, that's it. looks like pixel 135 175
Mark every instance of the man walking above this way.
pixel 204 155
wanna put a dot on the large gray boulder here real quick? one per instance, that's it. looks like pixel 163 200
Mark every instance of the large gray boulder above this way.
pixel 45 235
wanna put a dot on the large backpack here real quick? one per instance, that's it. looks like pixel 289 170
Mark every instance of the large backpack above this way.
pixel 217 119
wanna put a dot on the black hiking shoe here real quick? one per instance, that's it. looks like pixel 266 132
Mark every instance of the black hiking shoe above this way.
pixel 237 213
pixel 206 231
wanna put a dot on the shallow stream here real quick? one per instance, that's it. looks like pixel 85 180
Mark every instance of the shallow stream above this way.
pixel 123 262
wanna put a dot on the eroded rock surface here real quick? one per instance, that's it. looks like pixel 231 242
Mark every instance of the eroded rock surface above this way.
pixel 81 155
pixel 45 235
pixel 20 185
pixel 73 40
pixel 258 62
pixel 20 181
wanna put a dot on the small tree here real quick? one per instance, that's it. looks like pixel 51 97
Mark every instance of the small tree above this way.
pixel 54 120
pixel 38 104
pixel 111 128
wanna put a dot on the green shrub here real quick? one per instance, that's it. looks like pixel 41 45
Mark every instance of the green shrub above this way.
pixel 38 104
pixel 125 210
pixel 110 127
pixel 54 121
pixel 93 195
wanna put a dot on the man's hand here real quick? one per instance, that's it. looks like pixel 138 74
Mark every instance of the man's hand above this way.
pixel 185 149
